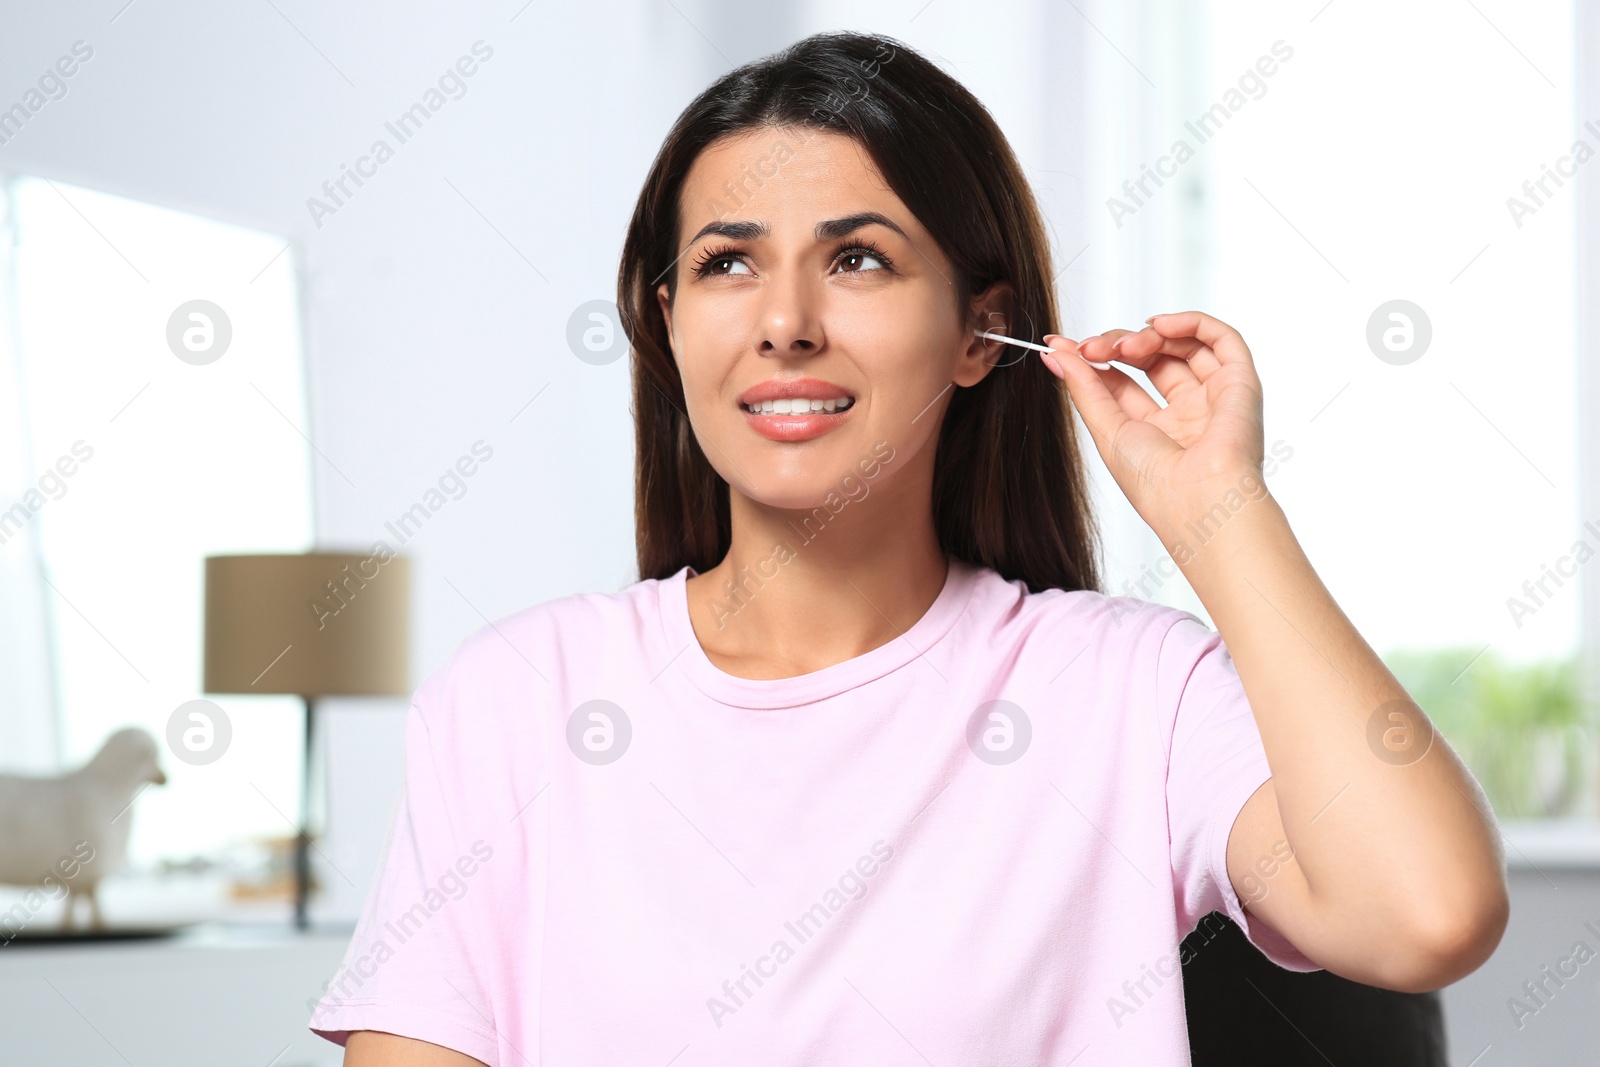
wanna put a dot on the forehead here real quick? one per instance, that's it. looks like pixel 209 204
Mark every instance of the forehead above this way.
pixel 785 175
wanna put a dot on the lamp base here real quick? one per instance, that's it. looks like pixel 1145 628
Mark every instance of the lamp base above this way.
pixel 302 845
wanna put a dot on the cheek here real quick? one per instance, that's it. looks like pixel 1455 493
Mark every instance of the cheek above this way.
pixel 707 337
pixel 699 309
pixel 904 348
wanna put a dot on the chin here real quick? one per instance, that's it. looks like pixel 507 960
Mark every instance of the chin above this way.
pixel 791 493
pixel 828 475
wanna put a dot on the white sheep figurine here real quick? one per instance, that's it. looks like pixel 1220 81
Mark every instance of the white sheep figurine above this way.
pixel 72 829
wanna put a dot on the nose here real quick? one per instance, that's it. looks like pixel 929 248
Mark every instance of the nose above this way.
pixel 790 324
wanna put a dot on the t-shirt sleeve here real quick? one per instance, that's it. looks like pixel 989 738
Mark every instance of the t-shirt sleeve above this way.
pixel 410 968
pixel 1215 763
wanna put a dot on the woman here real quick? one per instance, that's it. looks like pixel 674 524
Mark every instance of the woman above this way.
pixel 865 768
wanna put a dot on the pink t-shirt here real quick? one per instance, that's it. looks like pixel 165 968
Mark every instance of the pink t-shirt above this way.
pixel 979 843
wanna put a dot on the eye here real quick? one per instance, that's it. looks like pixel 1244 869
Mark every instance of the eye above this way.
pixel 854 257
pixel 714 259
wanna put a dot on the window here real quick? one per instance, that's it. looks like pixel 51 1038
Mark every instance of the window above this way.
pixel 142 432
pixel 1435 488
pixel 1314 229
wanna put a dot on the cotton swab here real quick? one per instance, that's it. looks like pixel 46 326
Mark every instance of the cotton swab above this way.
pixel 993 336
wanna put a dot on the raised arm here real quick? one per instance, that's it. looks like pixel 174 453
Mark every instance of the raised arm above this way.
pixel 1397 878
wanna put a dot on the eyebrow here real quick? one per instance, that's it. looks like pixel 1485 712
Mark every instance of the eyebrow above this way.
pixel 827 230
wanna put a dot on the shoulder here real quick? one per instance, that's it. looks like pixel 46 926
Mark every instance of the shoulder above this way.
pixel 1086 615
pixel 521 653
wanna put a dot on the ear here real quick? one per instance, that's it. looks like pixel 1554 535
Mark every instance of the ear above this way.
pixel 992 309
pixel 666 317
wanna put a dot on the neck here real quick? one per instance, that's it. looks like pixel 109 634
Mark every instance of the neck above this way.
pixel 800 590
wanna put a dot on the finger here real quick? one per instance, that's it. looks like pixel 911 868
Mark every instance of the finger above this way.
pixel 1093 399
pixel 1098 348
pixel 1100 410
pixel 1128 393
pixel 1142 349
pixel 1168 373
pixel 1169 363
pixel 1129 445
pixel 1222 339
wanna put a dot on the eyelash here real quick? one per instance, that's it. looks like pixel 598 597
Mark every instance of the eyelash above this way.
pixel 701 266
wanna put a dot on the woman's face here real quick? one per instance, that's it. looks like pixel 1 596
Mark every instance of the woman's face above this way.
pixel 801 273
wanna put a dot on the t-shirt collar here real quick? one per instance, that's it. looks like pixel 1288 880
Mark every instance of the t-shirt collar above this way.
pixel 901 652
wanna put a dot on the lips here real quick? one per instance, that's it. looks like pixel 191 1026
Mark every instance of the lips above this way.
pixel 795 396
pixel 795 409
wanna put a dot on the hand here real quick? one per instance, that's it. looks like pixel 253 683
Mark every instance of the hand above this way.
pixel 1170 461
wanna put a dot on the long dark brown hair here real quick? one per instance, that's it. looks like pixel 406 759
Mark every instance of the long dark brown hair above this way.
pixel 1009 487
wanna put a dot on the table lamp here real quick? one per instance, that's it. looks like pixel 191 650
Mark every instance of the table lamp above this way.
pixel 313 624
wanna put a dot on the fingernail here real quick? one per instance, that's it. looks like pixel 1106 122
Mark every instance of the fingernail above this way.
pixel 1092 363
pixel 1116 346
pixel 1147 321
pixel 1055 368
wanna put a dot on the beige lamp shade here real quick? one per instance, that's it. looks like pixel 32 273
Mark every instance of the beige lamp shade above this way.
pixel 314 624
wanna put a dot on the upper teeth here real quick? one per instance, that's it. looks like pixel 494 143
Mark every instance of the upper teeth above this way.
pixel 797 406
